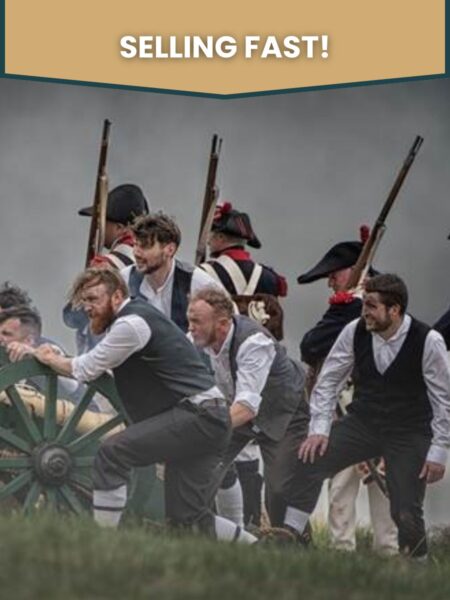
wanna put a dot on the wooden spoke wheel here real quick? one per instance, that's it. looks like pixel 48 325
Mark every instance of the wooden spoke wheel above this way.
pixel 43 461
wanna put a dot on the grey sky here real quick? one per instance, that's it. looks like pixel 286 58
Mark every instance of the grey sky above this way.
pixel 309 167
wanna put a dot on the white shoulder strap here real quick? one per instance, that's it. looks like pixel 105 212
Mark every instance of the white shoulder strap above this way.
pixel 234 273
pixel 254 280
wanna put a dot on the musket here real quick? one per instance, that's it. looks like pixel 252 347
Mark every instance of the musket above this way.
pixel 365 258
pixel 98 219
pixel 209 200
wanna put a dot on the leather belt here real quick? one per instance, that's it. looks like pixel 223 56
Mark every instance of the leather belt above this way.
pixel 214 403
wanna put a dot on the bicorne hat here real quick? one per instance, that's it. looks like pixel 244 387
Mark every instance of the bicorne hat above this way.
pixel 230 221
pixel 125 203
pixel 340 256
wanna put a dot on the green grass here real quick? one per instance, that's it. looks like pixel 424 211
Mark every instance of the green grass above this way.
pixel 54 557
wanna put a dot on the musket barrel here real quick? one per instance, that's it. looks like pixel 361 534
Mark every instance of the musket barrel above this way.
pixel 96 230
pixel 209 200
pixel 363 258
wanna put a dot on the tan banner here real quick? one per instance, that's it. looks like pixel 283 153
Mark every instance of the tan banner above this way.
pixel 225 48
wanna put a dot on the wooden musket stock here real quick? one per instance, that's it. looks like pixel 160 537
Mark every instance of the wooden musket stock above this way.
pixel 209 200
pixel 368 251
pixel 98 219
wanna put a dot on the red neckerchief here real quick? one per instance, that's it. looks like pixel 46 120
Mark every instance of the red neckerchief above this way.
pixel 234 252
pixel 343 297
pixel 126 238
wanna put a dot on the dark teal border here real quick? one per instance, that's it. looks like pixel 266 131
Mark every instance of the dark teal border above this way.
pixel 2 44
pixel 224 96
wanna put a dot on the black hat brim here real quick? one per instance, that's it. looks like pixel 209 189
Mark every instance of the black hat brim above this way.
pixel 254 243
pixel 86 212
pixel 341 256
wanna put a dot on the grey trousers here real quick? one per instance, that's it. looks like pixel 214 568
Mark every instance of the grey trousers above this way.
pixel 279 458
pixel 190 440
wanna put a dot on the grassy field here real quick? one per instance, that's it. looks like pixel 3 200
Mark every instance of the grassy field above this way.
pixel 53 557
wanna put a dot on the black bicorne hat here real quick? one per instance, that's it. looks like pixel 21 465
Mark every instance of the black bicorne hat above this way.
pixel 125 203
pixel 232 222
pixel 340 256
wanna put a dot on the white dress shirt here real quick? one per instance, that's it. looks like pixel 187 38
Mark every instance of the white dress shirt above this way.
pixel 162 297
pixel 338 367
pixel 127 335
pixel 253 359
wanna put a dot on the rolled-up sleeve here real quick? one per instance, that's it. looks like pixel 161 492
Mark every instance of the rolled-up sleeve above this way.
pixel 436 371
pixel 127 335
pixel 334 374
pixel 254 361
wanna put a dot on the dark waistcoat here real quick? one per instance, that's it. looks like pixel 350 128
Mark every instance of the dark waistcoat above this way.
pixel 396 399
pixel 165 371
pixel 181 288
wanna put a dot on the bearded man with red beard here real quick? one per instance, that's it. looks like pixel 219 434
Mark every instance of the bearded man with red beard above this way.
pixel 177 414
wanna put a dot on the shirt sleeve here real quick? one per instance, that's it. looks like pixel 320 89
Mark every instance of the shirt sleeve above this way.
pixel 334 374
pixel 125 273
pixel 202 279
pixel 127 335
pixel 436 371
pixel 254 361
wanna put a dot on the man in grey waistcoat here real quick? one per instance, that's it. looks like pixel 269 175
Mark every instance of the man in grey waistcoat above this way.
pixel 161 279
pixel 262 384
pixel 177 414
pixel 400 411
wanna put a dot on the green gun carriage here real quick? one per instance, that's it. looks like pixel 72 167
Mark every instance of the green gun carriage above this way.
pixel 46 457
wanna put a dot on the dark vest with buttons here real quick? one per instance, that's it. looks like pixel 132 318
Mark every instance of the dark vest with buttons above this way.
pixel 182 279
pixel 165 371
pixel 396 399
pixel 283 391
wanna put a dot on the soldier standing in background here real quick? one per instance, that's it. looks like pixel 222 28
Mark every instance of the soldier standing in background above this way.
pixel 125 203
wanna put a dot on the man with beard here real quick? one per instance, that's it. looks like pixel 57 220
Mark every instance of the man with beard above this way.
pixel 400 410
pixel 166 283
pixel 263 386
pixel 256 289
pixel 178 416
pixel 343 489
pixel 158 277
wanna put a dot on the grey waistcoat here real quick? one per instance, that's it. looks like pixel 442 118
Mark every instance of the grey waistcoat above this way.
pixel 165 371
pixel 283 391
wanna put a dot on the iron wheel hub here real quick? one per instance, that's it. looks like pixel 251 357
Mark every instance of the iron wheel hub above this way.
pixel 52 464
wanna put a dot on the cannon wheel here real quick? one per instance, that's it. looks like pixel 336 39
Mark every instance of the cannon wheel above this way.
pixel 42 462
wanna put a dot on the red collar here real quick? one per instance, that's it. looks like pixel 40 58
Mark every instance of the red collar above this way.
pixel 126 238
pixel 234 252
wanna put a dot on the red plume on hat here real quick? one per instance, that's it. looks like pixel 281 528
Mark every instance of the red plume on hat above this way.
pixel 232 222
pixel 222 209
pixel 364 233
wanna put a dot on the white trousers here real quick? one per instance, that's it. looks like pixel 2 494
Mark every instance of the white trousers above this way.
pixel 343 492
